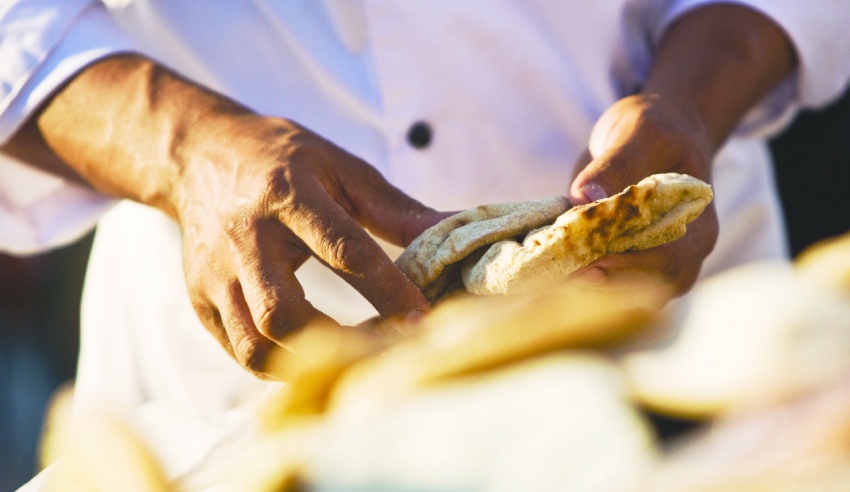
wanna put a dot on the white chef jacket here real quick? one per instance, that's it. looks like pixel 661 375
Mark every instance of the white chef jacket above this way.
pixel 510 89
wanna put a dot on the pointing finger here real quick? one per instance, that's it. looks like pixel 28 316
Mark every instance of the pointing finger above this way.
pixel 344 246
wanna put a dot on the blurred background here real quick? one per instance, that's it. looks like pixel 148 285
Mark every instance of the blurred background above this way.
pixel 812 161
pixel 39 325
pixel 40 296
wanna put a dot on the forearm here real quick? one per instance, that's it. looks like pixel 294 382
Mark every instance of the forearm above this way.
pixel 719 61
pixel 712 66
pixel 255 197
pixel 29 146
pixel 125 125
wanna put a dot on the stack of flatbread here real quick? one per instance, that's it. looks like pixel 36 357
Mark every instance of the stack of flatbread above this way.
pixel 539 392
pixel 510 248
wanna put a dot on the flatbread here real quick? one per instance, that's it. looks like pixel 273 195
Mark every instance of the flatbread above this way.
pixel 483 241
pixel 651 213
pixel 827 263
pixel 431 260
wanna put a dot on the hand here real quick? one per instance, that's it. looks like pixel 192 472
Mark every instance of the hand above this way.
pixel 255 197
pixel 712 65
pixel 259 196
pixel 638 136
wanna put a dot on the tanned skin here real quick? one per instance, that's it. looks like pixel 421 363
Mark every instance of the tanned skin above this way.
pixel 255 195
pixel 713 65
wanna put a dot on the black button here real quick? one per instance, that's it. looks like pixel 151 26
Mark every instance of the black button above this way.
pixel 419 135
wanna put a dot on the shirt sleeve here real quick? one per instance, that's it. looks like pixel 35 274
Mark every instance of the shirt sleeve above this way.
pixel 43 43
pixel 819 32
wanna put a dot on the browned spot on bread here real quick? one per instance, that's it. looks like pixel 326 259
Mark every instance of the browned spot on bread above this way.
pixel 510 259
pixel 643 216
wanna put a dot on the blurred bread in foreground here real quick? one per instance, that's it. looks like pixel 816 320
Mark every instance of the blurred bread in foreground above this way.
pixel 96 451
pixel 478 375
pixel 480 431
pixel 472 334
pixel 534 390
pixel 803 444
pixel 752 336
pixel 483 431
pixel 827 263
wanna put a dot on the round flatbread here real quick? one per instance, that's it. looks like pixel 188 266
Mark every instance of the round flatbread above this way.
pixel 651 213
pixel 827 263
pixel 431 260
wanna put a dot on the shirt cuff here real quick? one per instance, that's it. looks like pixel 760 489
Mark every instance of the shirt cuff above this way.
pixel 39 211
pixel 47 49
pixel 818 31
pixel 47 44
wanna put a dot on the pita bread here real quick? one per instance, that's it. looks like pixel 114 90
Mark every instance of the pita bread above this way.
pixel 827 263
pixel 751 336
pixel 651 213
pixel 430 261
pixel 477 333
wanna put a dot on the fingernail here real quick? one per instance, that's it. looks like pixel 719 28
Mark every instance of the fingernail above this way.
pixel 593 192
pixel 407 325
pixel 590 277
pixel 414 317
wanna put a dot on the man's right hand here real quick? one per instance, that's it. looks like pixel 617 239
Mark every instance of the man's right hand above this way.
pixel 255 197
pixel 256 201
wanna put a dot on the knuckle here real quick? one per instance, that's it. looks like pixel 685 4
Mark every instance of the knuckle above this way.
pixel 415 207
pixel 264 300
pixel 251 353
pixel 348 254
pixel 276 189
pixel 238 228
pixel 268 323
pixel 277 184
pixel 684 282
pixel 197 294
pixel 205 310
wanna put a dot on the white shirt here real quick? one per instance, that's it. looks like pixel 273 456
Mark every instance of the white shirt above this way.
pixel 511 90
pixel 537 73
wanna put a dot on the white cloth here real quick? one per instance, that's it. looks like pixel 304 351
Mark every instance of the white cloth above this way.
pixel 510 88
pixel 541 74
pixel 42 43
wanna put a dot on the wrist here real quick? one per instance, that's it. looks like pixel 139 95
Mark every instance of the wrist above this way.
pixel 670 130
pixel 720 60
pixel 689 119
pixel 132 128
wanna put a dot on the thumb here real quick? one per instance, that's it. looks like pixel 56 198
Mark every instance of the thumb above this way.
pixel 607 175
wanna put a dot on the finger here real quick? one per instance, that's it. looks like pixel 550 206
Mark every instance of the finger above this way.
pixel 632 271
pixel 344 246
pixel 675 264
pixel 211 319
pixel 633 154
pixel 197 281
pixel 610 173
pixel 385 210
pixel 247 345
pixel 267 257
